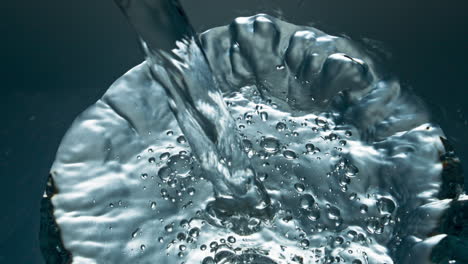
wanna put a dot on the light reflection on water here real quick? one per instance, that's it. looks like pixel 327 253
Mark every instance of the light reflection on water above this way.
pixel 354 169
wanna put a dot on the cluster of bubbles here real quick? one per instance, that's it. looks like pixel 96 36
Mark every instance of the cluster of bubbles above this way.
pixel 332 170
pixel 279 144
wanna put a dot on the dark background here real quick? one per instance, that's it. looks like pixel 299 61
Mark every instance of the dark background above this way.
pixel 59 56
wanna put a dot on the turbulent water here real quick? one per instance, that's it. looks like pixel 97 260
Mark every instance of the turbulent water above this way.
pixel 351 167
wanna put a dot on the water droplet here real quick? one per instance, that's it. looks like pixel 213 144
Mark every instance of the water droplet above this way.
pixel 153 205
pixel 170 133
pixel 151 160
pixel 270 144
pixel 280 67
pixel 348 133
pixel 289 154
pixel 264 116
pixel 231 239
pixel 144 176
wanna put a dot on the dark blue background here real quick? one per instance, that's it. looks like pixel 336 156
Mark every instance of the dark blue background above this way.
pixel 59 56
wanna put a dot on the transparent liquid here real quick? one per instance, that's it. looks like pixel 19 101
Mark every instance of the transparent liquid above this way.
pixel 178 63
pixel 349 164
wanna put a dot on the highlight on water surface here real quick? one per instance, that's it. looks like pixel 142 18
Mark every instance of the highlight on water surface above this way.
pixel 256 142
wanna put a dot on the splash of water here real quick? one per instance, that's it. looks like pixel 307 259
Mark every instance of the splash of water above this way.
pixel 355 170
pixel 179 64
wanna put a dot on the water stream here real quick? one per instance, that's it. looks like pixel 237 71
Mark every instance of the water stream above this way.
pixel 179 64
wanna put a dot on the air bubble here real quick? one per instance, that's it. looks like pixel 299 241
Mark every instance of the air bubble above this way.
pixel 135 233
pixel 373 226
pixel 262 176
pixel 270 144
pixel 307 201
pixel 181 165
pixel 385 205
pixel 164 156
pixel 363 209
pixel 313 214
pixel 333 213
pixel 351 170
pixel 321 122
pixel 191 191
pixel 310 147
pixel 181 140
pixel 194 232
pixel 164 173
pixel 208 260
pixel 281 126
pixel 247 144
pixel 299 187
pixel 169 228
pixel 289 154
